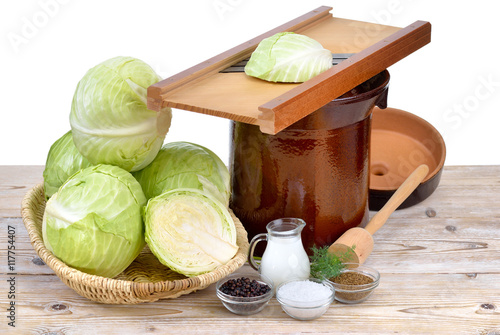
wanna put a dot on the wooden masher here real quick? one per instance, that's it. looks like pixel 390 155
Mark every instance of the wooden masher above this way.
pixel 361 239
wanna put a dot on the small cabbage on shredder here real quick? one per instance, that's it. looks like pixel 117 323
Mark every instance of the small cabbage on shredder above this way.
pixel 288 57
pixel 93 223
pixel 63 161
pixel 185 165
pixel 109 117
pixel 190 231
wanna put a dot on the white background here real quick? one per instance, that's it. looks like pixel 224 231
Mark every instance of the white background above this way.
pixel 47 46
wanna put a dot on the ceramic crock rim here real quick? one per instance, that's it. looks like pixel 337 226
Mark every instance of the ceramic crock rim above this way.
pixel 368 94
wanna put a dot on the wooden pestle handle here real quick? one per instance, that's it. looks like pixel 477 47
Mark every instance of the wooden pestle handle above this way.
pixel 403 192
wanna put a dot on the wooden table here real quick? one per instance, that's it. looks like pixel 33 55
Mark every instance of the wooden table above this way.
pixel 439 264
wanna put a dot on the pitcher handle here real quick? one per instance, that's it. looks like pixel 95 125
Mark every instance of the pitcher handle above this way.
pixel 256 239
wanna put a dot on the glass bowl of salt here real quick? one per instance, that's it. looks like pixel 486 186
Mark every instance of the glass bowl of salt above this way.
pixel 305 299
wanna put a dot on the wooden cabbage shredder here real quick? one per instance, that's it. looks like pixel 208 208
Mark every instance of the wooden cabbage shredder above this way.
pixel 293 152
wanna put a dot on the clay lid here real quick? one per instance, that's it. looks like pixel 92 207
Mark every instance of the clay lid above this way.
pixel 400 142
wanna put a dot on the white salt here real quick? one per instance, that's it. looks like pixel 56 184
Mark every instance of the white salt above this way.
pixel 303 293
pixel 305 299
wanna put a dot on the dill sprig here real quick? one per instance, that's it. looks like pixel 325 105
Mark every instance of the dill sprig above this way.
pixel 326 265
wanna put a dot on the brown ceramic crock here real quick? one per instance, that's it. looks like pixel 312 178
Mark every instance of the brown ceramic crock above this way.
pixel 316 169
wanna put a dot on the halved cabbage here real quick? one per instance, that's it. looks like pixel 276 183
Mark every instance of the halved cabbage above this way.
pixel 63 161
pixel 185 165
pixel 93 222
pixel 189 231
pixel 110 120
pixel 288 57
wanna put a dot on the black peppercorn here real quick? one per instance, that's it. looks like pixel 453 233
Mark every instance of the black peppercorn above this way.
pixel 244 287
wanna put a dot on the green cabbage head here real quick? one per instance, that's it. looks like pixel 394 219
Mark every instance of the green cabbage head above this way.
pixel 93 222
pixel 110 120
pixel 185 165
pixel 288 57
pixel 190 231
pixel 63 161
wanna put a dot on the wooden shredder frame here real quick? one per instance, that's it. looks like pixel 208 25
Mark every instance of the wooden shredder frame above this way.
pixel 206 88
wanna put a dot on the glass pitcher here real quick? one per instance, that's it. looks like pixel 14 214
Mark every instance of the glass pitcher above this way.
pixel 284 257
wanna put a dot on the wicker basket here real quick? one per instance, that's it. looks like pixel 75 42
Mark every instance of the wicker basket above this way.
pixel 145 280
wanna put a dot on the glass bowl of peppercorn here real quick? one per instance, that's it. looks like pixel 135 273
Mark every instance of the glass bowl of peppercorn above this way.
pixel 355 283
pixel 245 294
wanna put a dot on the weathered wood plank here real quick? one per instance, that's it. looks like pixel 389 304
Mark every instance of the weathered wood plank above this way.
pixel 401 256
pixel 440 274
pixel 404 303
pixel 15 181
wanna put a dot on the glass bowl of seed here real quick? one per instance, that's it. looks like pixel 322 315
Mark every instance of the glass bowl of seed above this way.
pixel 355 283
pixel 245 294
